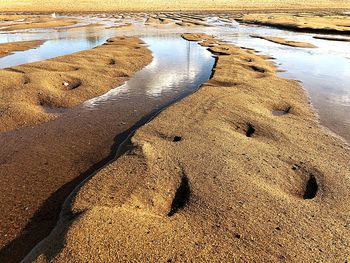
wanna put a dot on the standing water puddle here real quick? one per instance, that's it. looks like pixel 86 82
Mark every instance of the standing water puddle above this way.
pixel 177 69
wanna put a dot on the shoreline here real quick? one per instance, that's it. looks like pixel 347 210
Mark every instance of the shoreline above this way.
pixel 309 187
pixel 9 48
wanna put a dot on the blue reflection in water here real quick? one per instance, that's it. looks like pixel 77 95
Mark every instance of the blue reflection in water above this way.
pixel 177 69
pixel 51 49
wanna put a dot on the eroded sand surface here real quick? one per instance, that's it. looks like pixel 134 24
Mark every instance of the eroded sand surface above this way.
pixel 29 92
pixel 240 170
pixel 330 23
pixel 8 48
pixel 21 22
pixel 282 41
pixel 41 164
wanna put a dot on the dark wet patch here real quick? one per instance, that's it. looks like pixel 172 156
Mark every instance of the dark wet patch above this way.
pixel 281 112
pixel 53 110
pixel 258 69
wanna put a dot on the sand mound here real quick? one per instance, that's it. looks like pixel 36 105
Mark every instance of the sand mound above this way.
pixel 11 47
pixel 285 42
pixel 308 22
pixel 239 171
pixel 151 5
pixel 27 91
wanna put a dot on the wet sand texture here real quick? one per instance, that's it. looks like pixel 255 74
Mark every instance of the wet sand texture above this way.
pixel 343 39
pixel 151 5
pixel 308 22
pixel 41 165
pixel 11 47
pixel 33 22
pixel 31 92
pixel 285 42
pixel 217 177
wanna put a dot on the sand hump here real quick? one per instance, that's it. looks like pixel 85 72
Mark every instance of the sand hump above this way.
pixel 11 47
pixel 308 22
pixel 282 41
pixel 239 171
pixel 31 93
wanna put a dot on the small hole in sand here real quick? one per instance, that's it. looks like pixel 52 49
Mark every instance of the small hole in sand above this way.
pixel 250 130
pixel 311 188
pixel 177 138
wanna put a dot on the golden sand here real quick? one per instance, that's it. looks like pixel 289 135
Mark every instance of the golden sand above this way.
pixel 152 5
pixel 328 23
pixel 239 171
pixel 29 91
pixel 11 47
pixel 16 22
pixel 285 42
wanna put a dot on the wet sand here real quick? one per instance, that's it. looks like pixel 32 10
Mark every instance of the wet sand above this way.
pixel 34 22
pixel 342 39
pixel 41 164
pixel 241 170
pixel 282 41
pixel 261 156
pixel 31 93
pixel 9 48
pixel 159 5
pixel 307 22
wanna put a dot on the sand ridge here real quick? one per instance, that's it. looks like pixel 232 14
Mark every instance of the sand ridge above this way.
pixel 306 22
pixel 151 5
pixel 39 165
pixel 11 47
pixel 31 92
pixel 238 171
pixel 23 22
pixel 282 41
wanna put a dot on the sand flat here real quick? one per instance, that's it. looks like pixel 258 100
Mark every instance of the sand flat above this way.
pixel 159 5
pixel 11 47
pixel 217 177
pixel 67 81
pixel 285 42
pixel 308 22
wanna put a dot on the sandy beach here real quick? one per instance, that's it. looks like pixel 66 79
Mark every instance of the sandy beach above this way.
pixel 9 48
pixel 331 23
pixel 58 154
pixel 52 85
pixel 101 162
pixel 209 182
